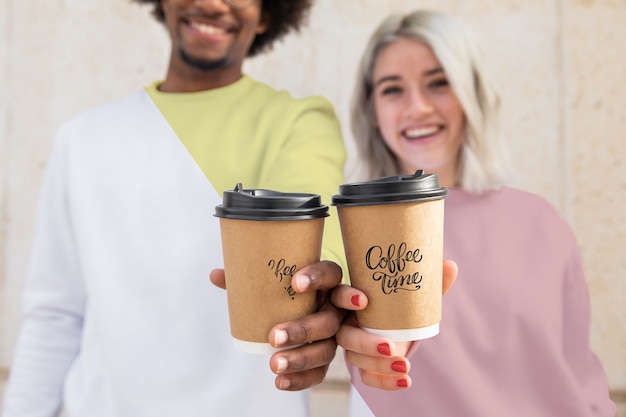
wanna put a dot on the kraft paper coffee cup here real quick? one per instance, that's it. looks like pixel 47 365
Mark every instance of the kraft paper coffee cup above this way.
pixel 266 237
pixel 392 232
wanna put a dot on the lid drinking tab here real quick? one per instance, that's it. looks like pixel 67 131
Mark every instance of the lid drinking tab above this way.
pixel 389 190
pixel 262 204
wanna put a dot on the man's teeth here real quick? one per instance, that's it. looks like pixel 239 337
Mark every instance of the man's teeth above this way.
pixel 421 132
pixel 207 29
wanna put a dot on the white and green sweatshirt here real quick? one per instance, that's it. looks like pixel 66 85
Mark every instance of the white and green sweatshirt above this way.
pixel 120 318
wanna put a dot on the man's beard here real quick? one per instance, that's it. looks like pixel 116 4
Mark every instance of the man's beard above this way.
pixel 201 64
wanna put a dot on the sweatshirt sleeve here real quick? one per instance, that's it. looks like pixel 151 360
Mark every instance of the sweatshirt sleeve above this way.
pixel 586 370
pixel 53 300
pixel 312 159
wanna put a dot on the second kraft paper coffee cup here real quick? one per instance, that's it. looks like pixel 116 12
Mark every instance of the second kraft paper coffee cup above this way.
pixel 392 232
pixel 267 236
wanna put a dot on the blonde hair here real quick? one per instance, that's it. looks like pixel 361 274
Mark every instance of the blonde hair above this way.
pixel 481 164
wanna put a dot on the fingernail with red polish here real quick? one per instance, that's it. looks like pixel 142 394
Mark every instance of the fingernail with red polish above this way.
pixel 399 366
pixel 355 300
pixel 384 349
pixel 402 383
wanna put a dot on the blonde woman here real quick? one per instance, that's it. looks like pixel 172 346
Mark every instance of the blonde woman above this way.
pixel 514 337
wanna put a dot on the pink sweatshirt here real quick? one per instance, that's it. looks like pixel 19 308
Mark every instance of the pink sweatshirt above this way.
pixel 514 338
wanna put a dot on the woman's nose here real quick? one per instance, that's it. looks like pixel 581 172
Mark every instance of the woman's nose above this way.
pixel 419 104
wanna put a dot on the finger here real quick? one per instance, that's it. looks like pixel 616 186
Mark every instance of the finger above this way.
pixel 450 272
pixel 318 326
pixel 402 348
pixel 303 358
pixel 386 382
pixel 302 380
pixel 303 367
pixel 360 341
pixel 349 298
pixel 218 278
pixel 322 275
pixel 395 365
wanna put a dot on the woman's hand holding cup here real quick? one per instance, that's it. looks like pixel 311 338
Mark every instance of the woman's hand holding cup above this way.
pixel 382 363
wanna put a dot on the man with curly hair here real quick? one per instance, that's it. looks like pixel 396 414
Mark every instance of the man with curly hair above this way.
pixel 121 319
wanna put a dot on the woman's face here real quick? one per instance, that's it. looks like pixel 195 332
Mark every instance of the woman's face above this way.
pixel 417 112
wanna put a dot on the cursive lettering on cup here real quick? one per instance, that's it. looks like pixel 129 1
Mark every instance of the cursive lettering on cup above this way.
pixel 394 283
pixel 393 260
pixel 388 267
pixel 281 270
pixel 290 292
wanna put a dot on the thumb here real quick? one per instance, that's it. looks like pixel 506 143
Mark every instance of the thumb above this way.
pixel 218 278
pixel 450 272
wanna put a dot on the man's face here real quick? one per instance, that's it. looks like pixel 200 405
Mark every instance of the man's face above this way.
pixel 210 34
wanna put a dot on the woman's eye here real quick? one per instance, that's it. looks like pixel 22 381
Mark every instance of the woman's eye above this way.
pixel 440 83
pixel 391 90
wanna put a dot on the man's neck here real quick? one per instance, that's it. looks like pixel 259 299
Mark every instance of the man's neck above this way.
pixel 189 80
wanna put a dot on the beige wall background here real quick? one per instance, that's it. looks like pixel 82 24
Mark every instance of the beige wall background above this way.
pixel 560 65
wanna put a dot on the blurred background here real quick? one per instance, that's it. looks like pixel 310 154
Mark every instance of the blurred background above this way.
pixel 559 64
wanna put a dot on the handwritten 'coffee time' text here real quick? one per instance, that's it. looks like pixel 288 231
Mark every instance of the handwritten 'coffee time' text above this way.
pixel 389 265
pixel 281 270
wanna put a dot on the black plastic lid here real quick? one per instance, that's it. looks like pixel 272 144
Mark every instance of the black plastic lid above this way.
pixel 259 204
pixel 390 190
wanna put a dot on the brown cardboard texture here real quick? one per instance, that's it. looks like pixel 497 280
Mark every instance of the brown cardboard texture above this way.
pixel 260 258
pixel 395 255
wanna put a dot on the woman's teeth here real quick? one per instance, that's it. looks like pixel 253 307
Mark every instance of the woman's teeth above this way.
pixel 421 132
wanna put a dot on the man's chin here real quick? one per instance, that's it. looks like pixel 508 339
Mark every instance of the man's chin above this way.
pixel 202 63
